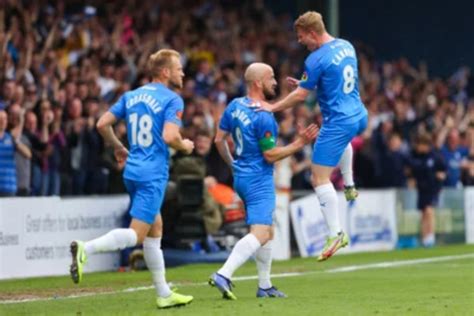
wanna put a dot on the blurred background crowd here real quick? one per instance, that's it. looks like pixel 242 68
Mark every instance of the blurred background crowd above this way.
pixel 64 64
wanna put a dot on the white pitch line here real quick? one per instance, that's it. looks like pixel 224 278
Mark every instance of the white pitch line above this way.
pixel 386 264
pixel 399 263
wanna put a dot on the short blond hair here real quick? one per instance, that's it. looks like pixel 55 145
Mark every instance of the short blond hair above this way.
pixel 310 21
pixel 159 60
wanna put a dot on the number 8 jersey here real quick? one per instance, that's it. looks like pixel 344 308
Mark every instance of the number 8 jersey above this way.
pixel 332 68
pixel 146 110
pixel 253 132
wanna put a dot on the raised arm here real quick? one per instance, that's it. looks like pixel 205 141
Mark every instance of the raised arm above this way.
pixel 295 97
pixel 22 149
pixel 307 83
pixel 443 133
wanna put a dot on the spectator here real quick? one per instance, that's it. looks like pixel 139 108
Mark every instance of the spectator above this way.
pixel 429 171
pixel 8 145
pixel 217 171
pixel 23 163
pixel 106 81
pixel 394 174
pixel 38 143
pixel 454 154
pixel 31 97
pixel 76 138
pixel 96 176
pixel 43 56
pixel 204 78
pixel 380 144
pixel 8 91
pixel 391 159
pixel 51 184
pixel 49 176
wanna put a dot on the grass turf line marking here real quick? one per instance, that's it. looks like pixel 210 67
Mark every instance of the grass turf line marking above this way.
pixel 398 263
pixel 379 265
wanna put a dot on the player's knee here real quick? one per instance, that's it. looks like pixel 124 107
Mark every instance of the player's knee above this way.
pixel 267 237
pixel 272 234
pixel 428 211
pixel 155 232
pixel 314 182
pixel 317 180
pixel 141 235
pixel 320 175
pixel 263 233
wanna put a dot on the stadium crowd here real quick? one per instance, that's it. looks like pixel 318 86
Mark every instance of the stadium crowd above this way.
pixel 62 66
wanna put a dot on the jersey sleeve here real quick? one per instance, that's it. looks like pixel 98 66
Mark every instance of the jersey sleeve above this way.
pixel 267 131
pixel 225 123
pixel 311 74
pixel 119 109
pixel 174 111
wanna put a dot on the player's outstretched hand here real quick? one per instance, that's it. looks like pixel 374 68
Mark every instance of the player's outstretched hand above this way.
pixel 309 133
pixel 121 154
pixel 188 146
pixel 292 82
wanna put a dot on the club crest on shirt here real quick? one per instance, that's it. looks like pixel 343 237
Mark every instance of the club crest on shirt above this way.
pixel 304 76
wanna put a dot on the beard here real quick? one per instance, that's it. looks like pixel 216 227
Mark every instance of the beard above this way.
pixel 269 93
pixel 176 84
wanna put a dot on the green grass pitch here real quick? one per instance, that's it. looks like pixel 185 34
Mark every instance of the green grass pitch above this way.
pixel 432 286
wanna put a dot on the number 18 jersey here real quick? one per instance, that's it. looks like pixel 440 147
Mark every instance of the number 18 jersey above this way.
pixel 252 131
pixel 145 111
pixel 332 68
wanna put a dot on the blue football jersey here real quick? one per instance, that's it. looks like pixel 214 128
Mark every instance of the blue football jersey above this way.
pixel 146 110
pixel 332 68
pixel 453 160
pixel 248 127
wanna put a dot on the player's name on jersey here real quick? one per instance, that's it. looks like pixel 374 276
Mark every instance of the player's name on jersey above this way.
pixel 241 116
pixel 343 53
pixel 147 99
